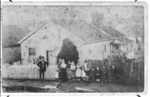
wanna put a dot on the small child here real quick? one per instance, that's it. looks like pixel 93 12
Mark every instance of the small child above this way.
pixel 104 72
pixel 92 74
pixel 83 73
pixel 73 69
pixel 87 71
pixel 98 74
pixel 57 75
pixel 78 73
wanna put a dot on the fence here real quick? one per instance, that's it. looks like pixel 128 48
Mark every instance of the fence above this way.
pixel 30 71
pixel 121 72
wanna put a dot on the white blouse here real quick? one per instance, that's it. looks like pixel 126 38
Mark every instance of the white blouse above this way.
pixel 63 65
pixel 78 72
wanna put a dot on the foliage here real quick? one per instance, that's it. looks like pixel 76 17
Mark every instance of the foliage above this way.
pixel 68 52
pixel 126 71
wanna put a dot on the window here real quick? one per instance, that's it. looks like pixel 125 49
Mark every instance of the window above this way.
pixel 32 51
pixel 116 46
pixel 32 55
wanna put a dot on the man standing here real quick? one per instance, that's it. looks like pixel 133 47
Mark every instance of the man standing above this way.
pixel 42 64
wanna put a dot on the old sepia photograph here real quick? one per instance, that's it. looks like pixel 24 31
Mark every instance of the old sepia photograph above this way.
pixel 73 48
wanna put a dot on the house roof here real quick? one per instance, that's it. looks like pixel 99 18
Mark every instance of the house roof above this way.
pixel 115 42
pixel 125 40
pixel 31 33
pixel 121 40
pixel 14 45
pixel 83 30
pixel 111 31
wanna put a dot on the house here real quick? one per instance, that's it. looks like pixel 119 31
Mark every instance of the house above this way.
pixel 91 42
pixel 11 54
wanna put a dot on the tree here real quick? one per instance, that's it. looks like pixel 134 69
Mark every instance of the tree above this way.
pixel 68 52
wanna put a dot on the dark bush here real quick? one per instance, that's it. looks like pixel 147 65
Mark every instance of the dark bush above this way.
pixel 68 52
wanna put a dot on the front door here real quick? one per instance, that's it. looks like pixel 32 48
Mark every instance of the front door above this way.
pixel 51 58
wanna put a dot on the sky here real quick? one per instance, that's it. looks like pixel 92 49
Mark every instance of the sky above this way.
pixel 18 21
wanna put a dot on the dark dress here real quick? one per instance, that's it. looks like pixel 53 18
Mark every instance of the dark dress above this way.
pixel 87 75
pixel 98 74
pixel 62 73
pixel 92 74
pixel 104 73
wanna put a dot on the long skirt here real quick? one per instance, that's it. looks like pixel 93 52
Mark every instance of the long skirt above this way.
pixel 73 73
pixel 63 75
pixel 69 74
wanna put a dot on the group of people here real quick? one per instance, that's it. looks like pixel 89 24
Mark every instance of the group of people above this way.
pixel 68 71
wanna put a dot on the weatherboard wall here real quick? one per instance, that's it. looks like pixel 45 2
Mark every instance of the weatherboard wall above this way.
pixel 48 38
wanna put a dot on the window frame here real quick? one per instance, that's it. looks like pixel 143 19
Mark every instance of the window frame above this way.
pixel 32 51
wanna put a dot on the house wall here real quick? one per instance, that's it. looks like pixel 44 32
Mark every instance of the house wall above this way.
pixel 97 50
pixel 48 38
pixel 11 54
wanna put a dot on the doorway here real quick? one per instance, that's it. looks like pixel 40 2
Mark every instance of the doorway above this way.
pixel 51 58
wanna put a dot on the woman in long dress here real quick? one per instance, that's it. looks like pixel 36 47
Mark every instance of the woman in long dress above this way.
pixel 62 73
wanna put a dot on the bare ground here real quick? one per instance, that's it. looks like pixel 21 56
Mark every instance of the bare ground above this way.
pixel 50 86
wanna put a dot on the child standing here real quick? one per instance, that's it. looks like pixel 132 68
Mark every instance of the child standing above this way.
pixel 73 68
pixel 98 74
pixel 57 74
pixel 92 74
pixel 78 73
pixel 104 72
pixel 83 73
pixel 87 71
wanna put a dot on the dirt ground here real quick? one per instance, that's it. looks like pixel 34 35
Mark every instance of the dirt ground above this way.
pixel 50 86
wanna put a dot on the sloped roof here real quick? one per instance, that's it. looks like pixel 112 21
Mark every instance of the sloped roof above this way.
pixel 82 29
pixel 114 41
pixel 31 33
pixel 125 40
pixel 111 31
pixel 14 45
pixel 121 40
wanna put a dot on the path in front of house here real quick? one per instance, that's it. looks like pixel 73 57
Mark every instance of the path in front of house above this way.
pixel 50 86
